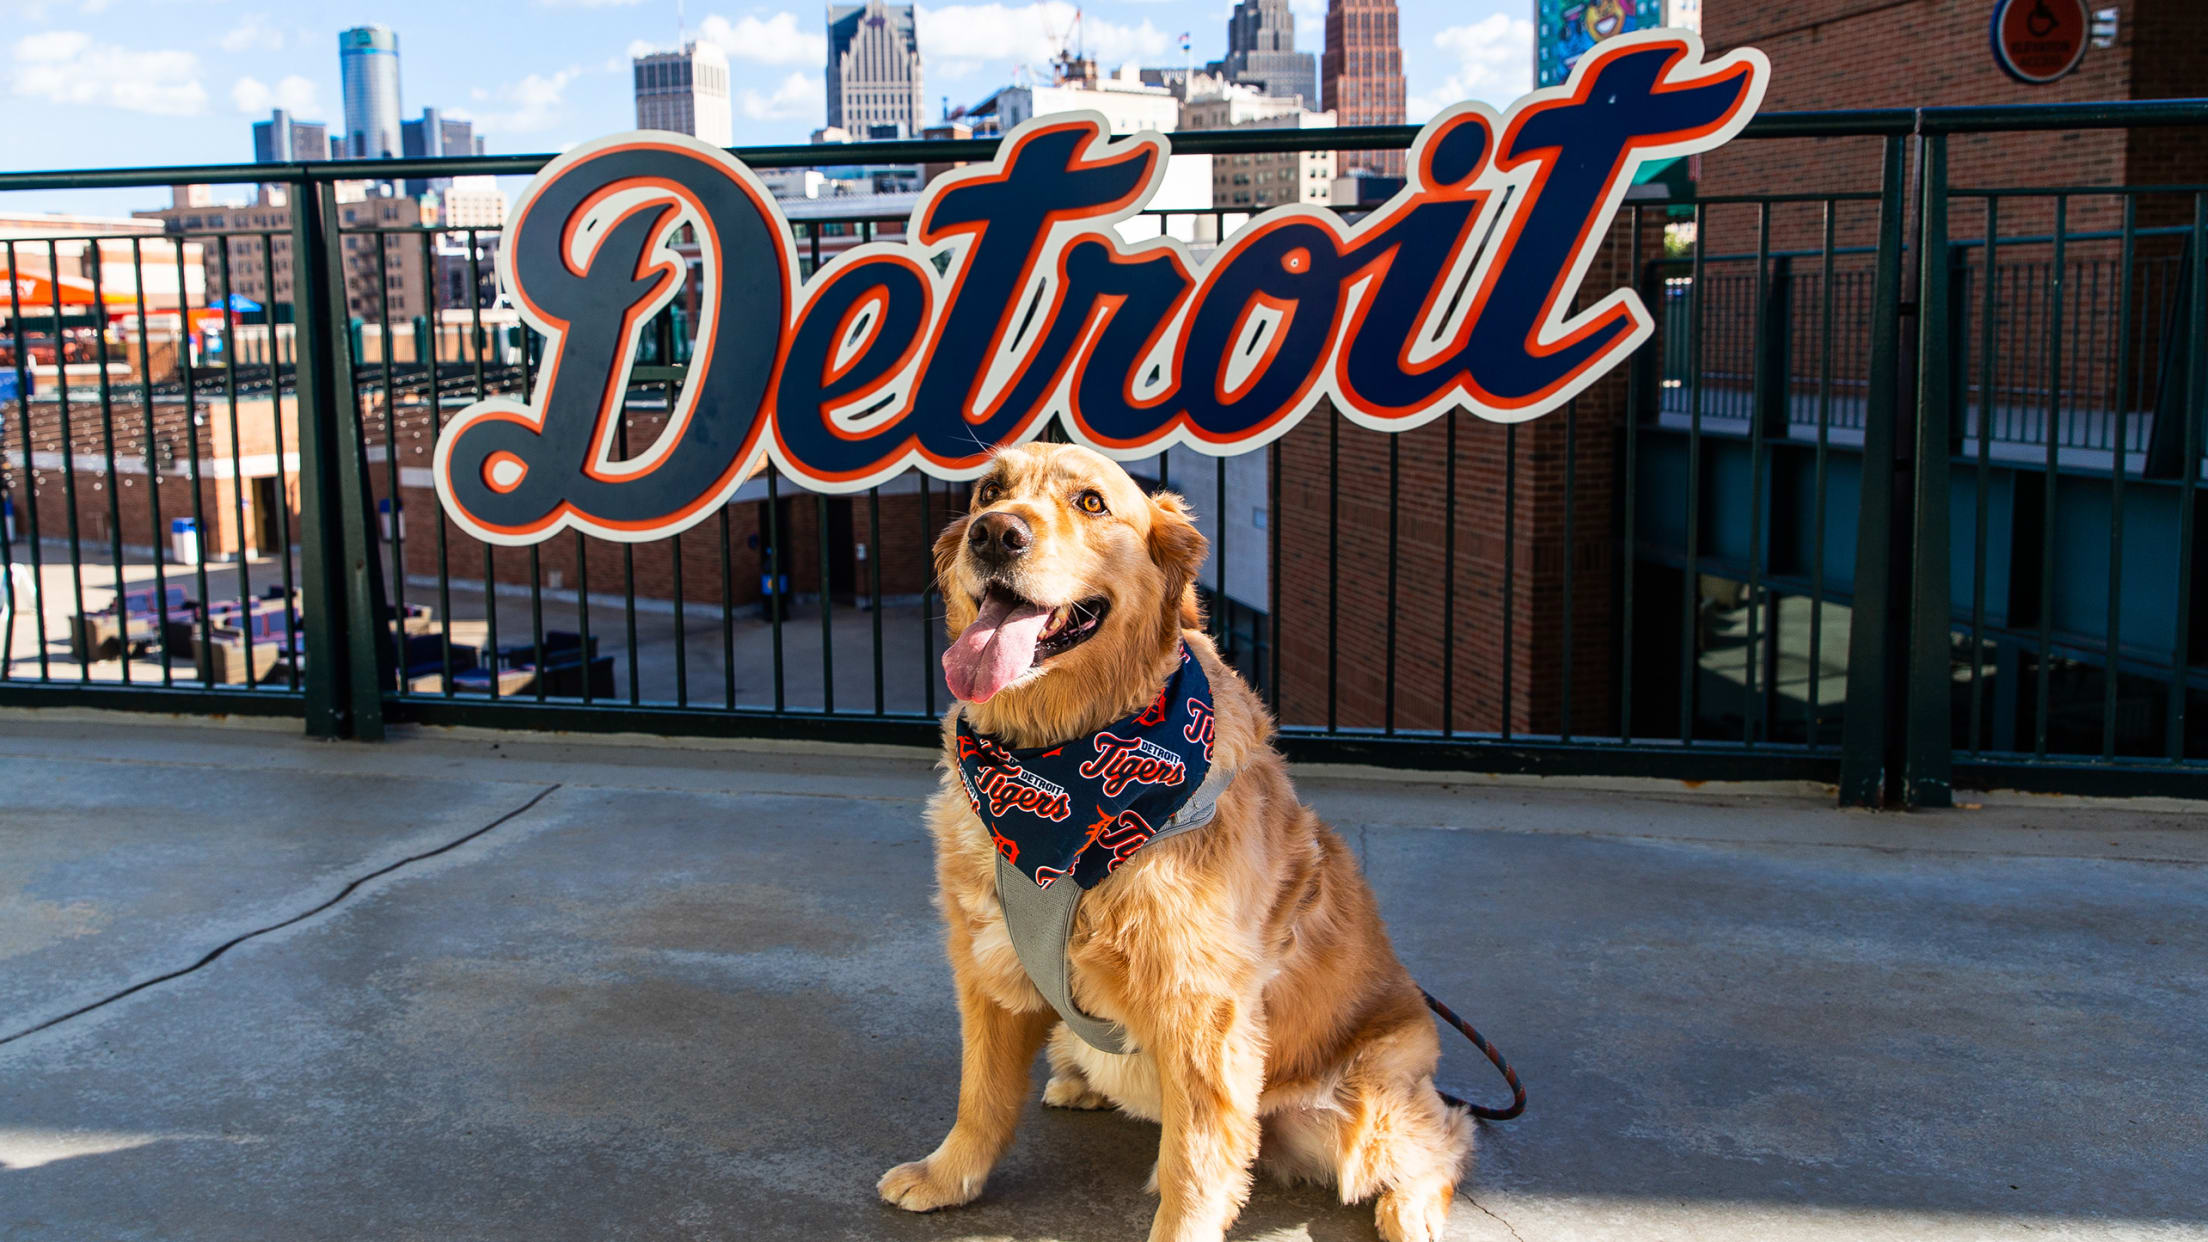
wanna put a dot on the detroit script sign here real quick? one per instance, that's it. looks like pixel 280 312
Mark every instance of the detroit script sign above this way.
pixel 1013 300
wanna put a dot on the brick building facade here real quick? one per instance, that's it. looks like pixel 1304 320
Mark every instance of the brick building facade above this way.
pixel 1361 75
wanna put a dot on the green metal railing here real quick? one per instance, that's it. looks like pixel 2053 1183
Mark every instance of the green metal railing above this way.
pixel 1829 525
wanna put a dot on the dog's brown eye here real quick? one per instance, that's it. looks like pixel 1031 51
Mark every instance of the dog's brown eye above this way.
pixel 989 493
pixel 1090 502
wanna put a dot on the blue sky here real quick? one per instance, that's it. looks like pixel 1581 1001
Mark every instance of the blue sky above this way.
pixel 107 83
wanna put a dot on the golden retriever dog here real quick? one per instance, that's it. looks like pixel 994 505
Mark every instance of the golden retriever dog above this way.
pixel 1245 959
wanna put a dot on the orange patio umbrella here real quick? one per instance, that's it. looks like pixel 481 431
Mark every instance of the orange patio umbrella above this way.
pixel 34 292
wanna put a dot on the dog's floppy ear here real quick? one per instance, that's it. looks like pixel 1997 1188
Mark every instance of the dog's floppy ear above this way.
pixel 1178 548
pixel 946 546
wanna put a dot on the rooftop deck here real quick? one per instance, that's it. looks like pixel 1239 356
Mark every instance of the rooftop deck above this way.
pixel 523 986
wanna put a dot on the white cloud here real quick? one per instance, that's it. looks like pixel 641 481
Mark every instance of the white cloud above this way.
pixel 253 34
pixel 1031 34
pixel 778 40
pixel 799 95
pixel 294 94
pixel 531 105
pixel 1492 61
pixel 71 67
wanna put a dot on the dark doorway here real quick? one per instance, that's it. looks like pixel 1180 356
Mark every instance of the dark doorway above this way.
pixel 267 496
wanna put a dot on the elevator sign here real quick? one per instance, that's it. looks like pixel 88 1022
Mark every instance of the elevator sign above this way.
pixel 1013 299
pixel 2038 41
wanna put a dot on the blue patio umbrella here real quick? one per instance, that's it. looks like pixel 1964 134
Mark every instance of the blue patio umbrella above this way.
pixel 236 301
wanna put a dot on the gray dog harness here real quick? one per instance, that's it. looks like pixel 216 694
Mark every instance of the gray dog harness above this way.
pixel 1040 920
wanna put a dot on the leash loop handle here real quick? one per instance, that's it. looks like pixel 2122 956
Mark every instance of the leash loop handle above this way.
pixel 1517 1103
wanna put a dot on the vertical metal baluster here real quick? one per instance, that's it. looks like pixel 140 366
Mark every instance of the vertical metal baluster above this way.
pixel 1826 305
pixel 1989 313
pixel 69 469
pixel 2196 402
pixel 536 560
pixel 1221 624
pixel 1510 563
pixel 192 467
pixel 774 566
pixel 7 538
pixel 682 633
pixel 1395 521
pixel 30 481
pixel 927 589
pixel 1272 578
pixel 153 462
pixel 874 568
pixel 1751 716
pixel 827 637
pixel 1689 589
pixel 490 566
pixel 1449 577
pixel 582 609
pixel 391 469
pixel 283 483
pixel 2114 666
pixel 827 645
pixel 107 445
pixel 728 612
pixel 1571 558
pixel 1635 399
pixel 237 459
pixel 2055 297
pixel 1333 570
pixel 426 357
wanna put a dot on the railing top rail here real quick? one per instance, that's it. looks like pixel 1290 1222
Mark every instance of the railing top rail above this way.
pixel 1861 122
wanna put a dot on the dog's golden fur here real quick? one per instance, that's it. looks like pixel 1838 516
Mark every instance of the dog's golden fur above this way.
pixel 1246 960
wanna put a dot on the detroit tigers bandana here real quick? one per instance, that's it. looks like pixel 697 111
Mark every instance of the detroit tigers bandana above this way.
pixel 1083 807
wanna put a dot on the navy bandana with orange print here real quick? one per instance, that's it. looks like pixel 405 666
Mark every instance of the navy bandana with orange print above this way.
pixel 1083 807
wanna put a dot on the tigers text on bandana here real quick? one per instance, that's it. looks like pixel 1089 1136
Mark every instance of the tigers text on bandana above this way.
pixel 1083 807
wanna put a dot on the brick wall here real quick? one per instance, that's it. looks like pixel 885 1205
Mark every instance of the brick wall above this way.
pixel 1492 499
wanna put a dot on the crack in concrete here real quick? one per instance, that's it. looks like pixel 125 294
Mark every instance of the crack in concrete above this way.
pixel 1492 1216
pixel 232 943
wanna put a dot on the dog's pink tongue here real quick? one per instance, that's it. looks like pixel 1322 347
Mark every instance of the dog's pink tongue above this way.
pixel 997 647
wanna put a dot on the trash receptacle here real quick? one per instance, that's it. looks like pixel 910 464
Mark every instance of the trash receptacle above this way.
pixel 184 540
pixel 774 594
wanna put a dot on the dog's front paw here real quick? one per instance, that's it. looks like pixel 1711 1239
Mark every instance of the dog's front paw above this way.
pixel 922 1186
pixel 1406 1214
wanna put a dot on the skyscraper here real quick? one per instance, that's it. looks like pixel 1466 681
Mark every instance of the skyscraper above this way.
pixel 1261 52
pixel 1362 73
pixel 368 62
pixel 686 91
pixel 874 86
pixel 433 135
pixel 281 140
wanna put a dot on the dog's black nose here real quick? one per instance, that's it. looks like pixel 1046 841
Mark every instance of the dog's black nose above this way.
pixel 999 536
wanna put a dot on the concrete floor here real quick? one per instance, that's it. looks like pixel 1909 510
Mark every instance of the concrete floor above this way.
pixel 530 987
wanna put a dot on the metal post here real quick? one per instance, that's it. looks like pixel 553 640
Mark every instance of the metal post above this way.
pixel 1863 739
pixel 343 684
pixel 1926 760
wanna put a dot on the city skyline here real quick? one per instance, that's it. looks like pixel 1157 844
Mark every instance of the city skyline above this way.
pixel 147 86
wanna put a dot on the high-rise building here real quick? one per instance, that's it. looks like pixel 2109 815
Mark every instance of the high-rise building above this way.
pixel 1362 75
pixel 1261 52
pixel 1262 179
pixel 432 136
pixel 874 85
pixel 368 62
pixel 281 140
pixel 686 91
